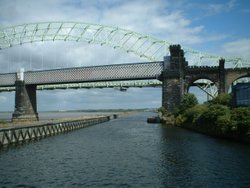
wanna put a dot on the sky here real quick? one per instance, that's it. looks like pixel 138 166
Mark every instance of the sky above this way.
pixel 215 26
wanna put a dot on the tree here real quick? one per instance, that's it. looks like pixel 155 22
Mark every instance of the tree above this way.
pixel 223 99
pixel 188 100
pixel 162 110
pixel 214 111
pixel 241 116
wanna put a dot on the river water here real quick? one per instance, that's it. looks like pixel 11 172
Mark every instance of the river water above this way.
pixel 127 152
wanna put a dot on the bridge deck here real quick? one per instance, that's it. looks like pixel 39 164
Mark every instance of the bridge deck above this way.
pixel 115 72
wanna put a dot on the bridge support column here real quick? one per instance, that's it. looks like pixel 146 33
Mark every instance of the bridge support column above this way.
pixel 222 77
pixel 173 78
pixel 171 95
pixel 25 101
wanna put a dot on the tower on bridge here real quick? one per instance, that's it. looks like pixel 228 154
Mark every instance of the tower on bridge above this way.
pixel 177 76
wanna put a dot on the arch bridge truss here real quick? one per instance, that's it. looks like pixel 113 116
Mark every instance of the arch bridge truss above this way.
pixel 144 46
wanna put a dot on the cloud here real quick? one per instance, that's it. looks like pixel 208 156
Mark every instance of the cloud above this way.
pixel 140 16
pixel 99 98
pixel 216 8
pixel 238 48
pixel 246 10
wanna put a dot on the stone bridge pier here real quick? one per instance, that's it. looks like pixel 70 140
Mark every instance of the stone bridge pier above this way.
pixel 25 101
pixel 173 83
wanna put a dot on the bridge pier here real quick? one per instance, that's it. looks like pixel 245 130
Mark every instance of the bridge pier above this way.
pixel 25 101
pixel 173 85
pixel 222 77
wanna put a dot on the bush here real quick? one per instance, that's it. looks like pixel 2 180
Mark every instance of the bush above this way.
pixel 213 112
pixel 162 110
pixel 241 116
pixel 188 100
pixel 223 99
pixel 225 124
pixel 180 120
pixel 193 114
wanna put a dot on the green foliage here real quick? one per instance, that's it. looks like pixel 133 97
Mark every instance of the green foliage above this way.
pixel 214 111
pixel 193 114
pixel 242 117
pixel 180 120
pixel 223 99
pixel 162 110
pixel 188 100
pixel 241 113
pixel 215 117
pixel 225 124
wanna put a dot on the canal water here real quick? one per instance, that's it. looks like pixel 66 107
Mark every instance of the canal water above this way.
pixel 127 152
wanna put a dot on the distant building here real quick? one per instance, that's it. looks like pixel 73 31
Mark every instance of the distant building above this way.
pixel 241 94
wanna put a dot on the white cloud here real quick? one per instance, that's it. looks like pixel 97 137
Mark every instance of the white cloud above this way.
pixel 238 48
pixel 216 8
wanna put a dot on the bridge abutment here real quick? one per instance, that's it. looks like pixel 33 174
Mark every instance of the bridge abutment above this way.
pixel 25 102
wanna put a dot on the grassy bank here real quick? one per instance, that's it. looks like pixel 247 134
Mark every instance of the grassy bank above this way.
pixel 216 118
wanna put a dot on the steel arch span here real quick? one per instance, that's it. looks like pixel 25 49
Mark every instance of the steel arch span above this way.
pixel 144 46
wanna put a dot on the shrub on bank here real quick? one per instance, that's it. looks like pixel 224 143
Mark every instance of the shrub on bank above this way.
pixel 213 112
pixel 215 117
pixel 190 115
pixel 241 116
pixel 223 99
pixel 193 114
pixel 188 100
pixel 161 110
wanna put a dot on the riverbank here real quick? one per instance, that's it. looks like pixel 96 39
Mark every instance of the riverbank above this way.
pixel 216 118
pixel 214 132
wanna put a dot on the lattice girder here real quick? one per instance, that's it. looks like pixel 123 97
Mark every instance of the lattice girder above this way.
pixel 114 72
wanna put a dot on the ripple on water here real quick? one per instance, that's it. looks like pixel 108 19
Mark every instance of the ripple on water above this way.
pixel 127 152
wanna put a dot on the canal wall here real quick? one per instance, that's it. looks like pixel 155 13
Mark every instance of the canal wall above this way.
pixel 215 132
pixel 16 135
